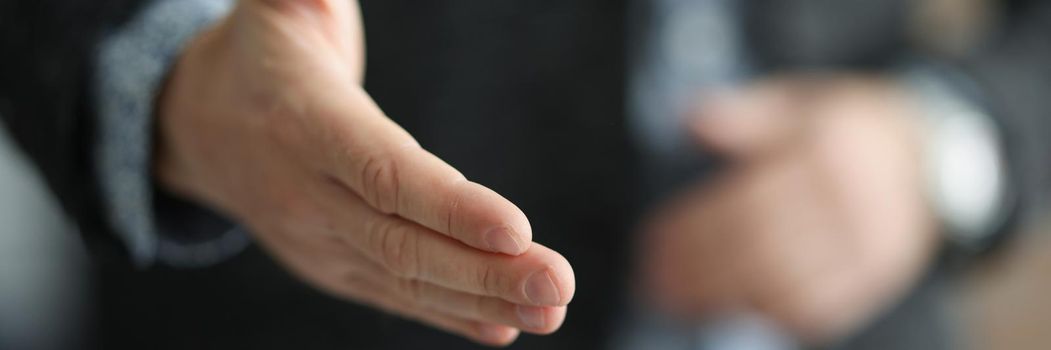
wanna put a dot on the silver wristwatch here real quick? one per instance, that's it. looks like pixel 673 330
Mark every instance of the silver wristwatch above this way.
pixel 964 167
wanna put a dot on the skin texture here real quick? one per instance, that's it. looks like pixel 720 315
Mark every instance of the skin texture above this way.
pixel 818 221
pixel 264 119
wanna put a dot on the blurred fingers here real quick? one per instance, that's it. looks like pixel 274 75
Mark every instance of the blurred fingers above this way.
pixel 748 122
pixel 391 300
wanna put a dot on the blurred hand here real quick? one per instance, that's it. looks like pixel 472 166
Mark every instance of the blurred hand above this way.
pixel 264 118
pixel 819 220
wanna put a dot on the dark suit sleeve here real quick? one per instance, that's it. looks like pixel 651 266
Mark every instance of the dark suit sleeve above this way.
pixel 45 55
pixel 1014 75
pixel 77 94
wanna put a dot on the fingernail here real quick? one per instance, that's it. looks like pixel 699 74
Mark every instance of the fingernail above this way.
pixel 531 316
pixel 540 289
pixel 500 241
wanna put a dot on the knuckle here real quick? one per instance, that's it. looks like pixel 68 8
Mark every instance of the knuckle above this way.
pixel 480 309
pixel 398 248
pixel 379 182
pixel 489 280
pixel 452 207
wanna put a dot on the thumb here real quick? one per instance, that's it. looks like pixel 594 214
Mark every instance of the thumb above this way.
pixel 748 121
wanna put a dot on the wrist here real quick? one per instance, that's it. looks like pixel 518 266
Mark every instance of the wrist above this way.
pixel 131 66
pixel 182 110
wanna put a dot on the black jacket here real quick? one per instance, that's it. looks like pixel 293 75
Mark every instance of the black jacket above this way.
pixel 526 97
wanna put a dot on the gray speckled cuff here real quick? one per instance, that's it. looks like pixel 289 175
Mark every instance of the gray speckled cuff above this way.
pixel 130 67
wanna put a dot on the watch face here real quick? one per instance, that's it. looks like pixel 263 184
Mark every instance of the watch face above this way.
pixel 965 172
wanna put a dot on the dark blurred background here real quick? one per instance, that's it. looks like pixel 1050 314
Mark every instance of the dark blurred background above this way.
pixel 53 296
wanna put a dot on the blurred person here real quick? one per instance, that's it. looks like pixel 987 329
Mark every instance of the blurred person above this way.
pixel 846 166
pixel 176 132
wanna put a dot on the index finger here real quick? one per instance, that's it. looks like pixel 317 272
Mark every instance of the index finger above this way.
pixel 385 166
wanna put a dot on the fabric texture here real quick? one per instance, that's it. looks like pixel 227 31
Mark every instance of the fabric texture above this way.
pixel 131 67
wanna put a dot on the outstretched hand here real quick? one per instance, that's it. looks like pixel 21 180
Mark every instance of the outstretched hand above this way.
pixel 264 118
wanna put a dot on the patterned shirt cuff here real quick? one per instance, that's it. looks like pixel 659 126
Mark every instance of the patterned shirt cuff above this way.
pixel 130 67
